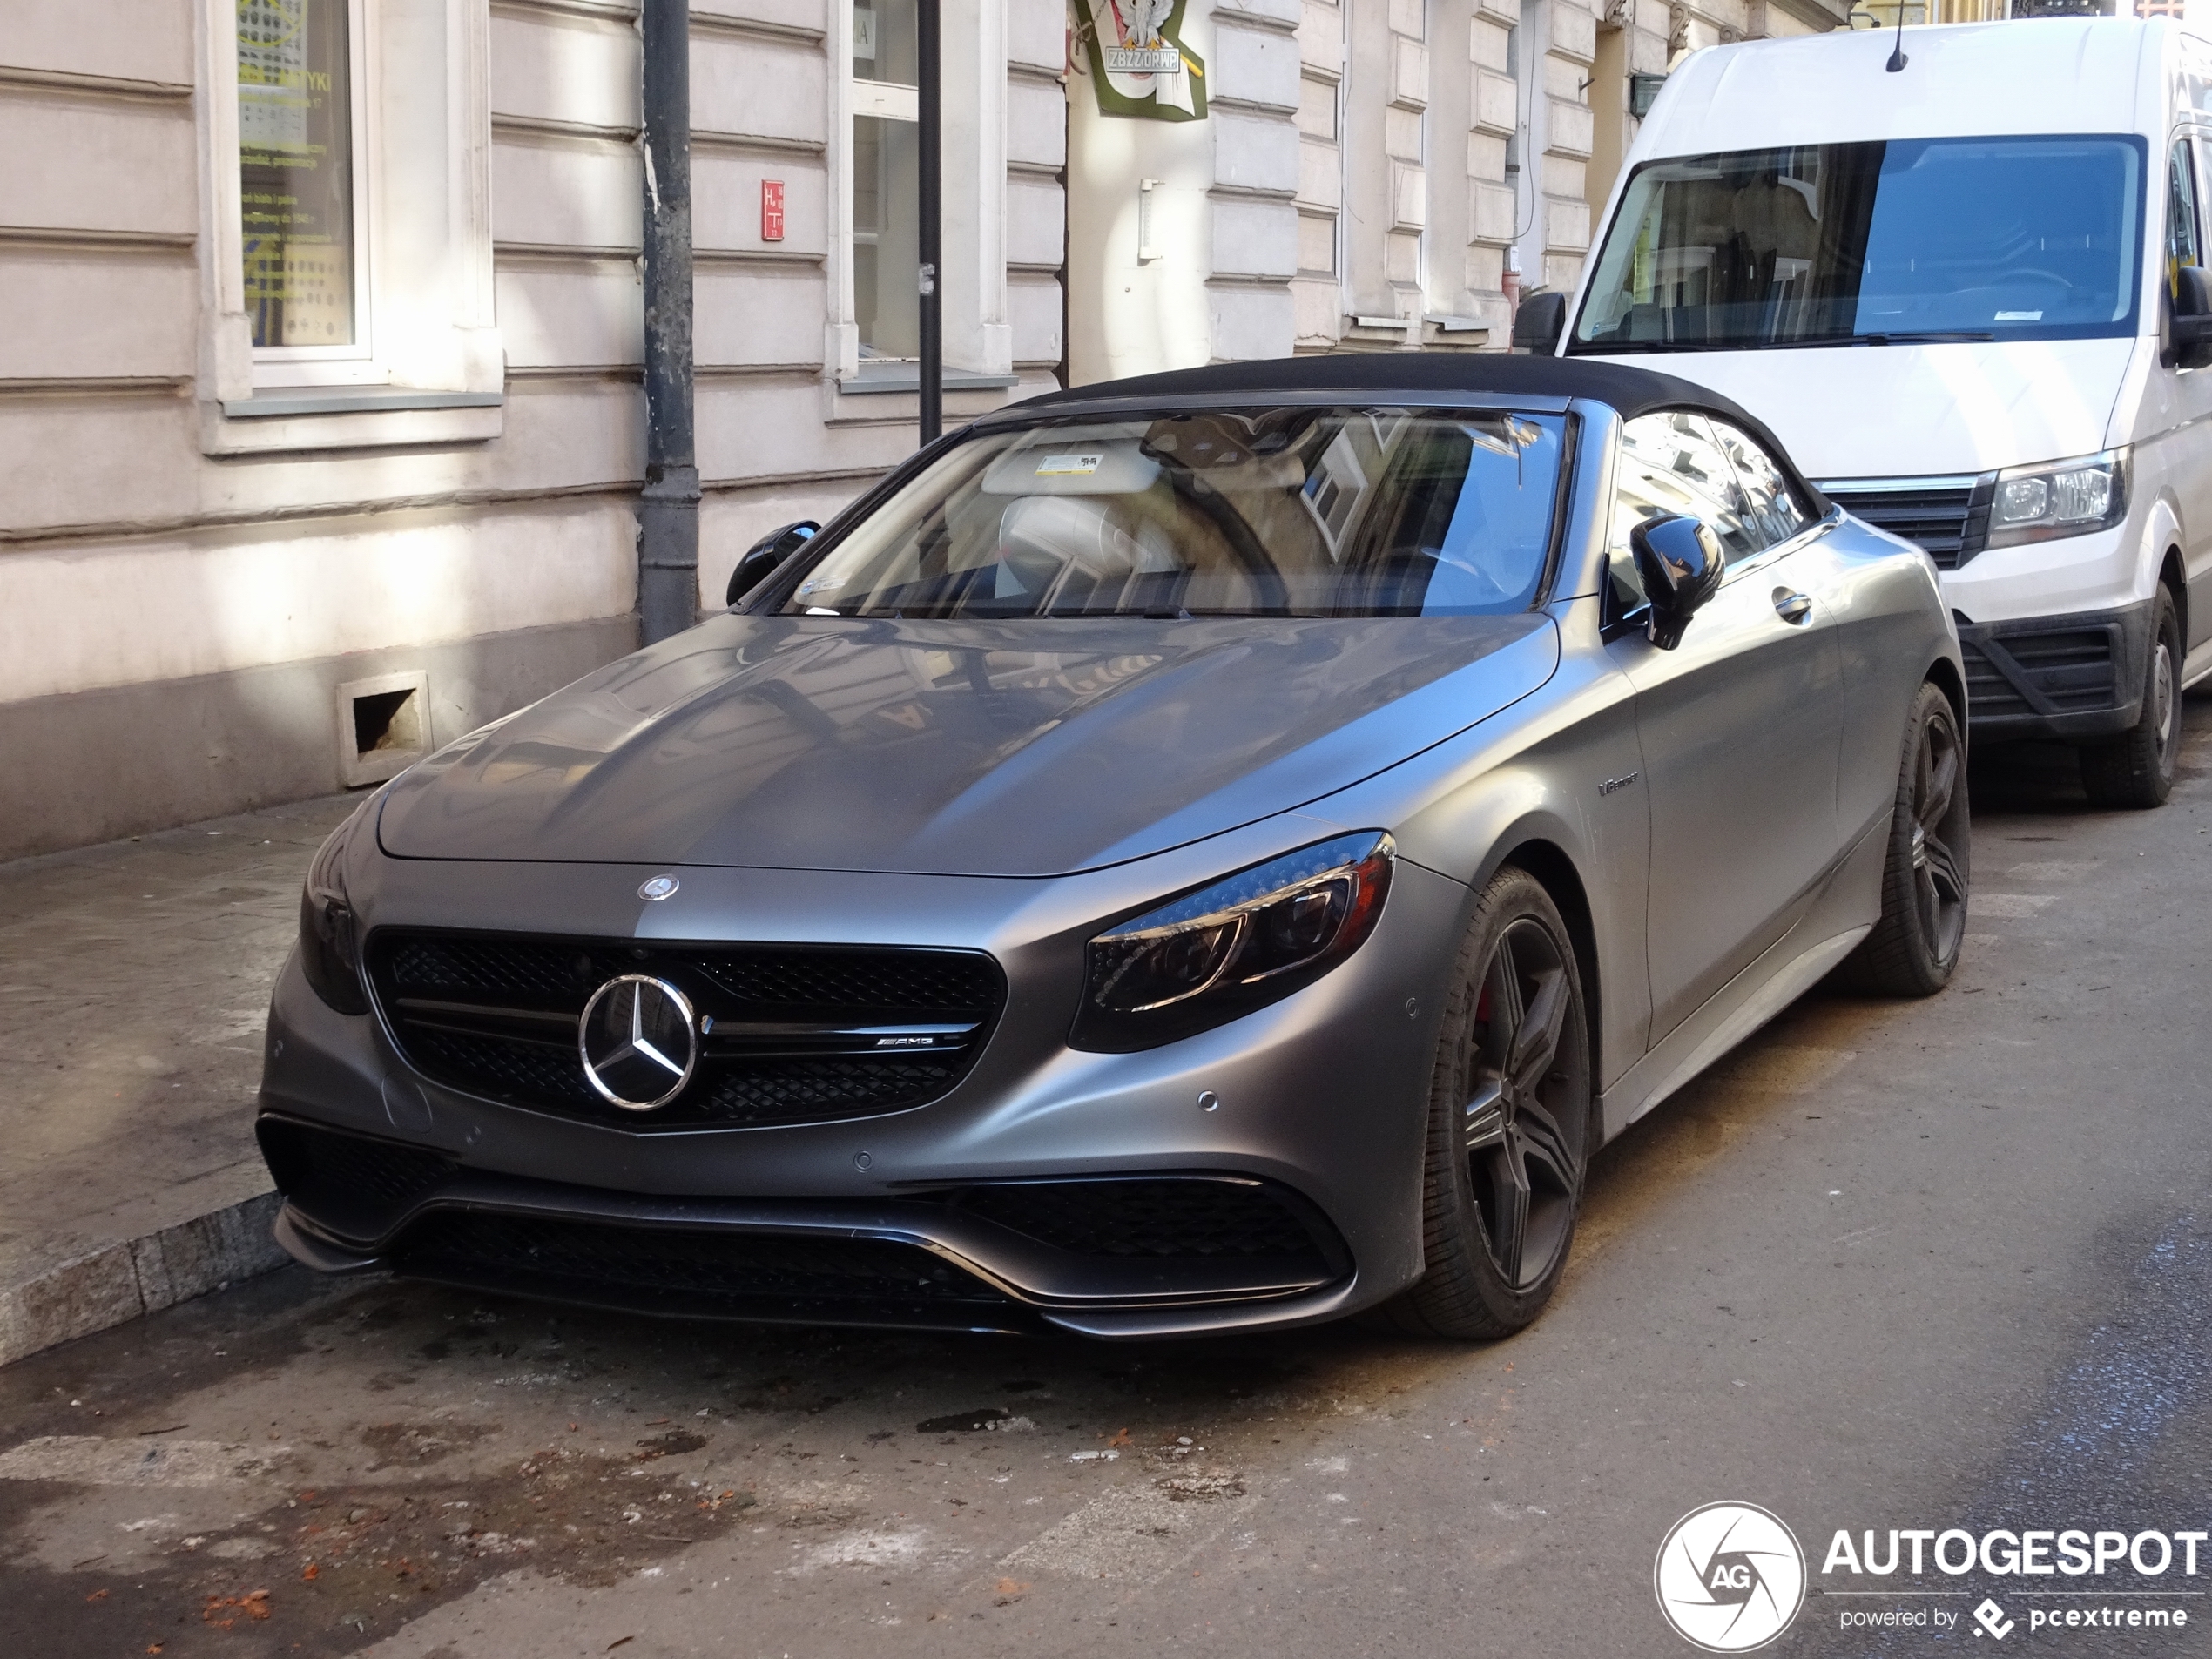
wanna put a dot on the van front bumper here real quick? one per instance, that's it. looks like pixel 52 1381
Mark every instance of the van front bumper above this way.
pixel 2073 677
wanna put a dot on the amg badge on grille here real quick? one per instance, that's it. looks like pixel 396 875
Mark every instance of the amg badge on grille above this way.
pixel 637 1039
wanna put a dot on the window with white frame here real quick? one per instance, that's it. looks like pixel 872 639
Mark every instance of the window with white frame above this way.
pixel 303 209
pixel 886 196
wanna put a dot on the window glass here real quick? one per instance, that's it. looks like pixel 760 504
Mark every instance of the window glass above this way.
pixel 1831 243
pixel 886 180
pixel 1342 512
pixel 1671 462
pixel 2184 236
pixel 295 140
pixel 1770 513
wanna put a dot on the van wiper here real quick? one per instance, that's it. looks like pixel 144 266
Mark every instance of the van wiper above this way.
pixel 1899 337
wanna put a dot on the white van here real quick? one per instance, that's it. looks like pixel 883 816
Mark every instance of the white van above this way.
pixel 1968 293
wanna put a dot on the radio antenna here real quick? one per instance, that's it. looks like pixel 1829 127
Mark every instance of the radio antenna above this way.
pixel 1898 59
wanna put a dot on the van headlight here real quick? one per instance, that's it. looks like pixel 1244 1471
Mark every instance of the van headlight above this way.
pixel 329 935
pixel 1242 942
pixel 2041 503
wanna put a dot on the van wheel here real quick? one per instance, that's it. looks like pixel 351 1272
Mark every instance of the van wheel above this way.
pixel 1924 878
pixel 1510 1123
pixel 2136 768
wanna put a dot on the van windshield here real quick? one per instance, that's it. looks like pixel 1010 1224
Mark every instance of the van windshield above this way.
pixel 1261 512
pixel 1865 243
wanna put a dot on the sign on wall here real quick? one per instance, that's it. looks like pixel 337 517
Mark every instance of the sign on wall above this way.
pixel 1138 62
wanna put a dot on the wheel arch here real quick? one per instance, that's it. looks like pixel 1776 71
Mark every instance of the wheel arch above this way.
pixel 1943 675
pixel 1555 872
pixel 2173 576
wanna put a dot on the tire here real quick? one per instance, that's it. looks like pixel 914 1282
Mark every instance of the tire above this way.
pixel 1506 1145
pixel 2136 768
pixel 1928 872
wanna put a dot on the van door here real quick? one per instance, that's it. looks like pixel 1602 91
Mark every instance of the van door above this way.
pixel 2185 447
pixel 1740 724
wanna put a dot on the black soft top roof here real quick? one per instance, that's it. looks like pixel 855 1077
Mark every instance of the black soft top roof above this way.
pixel 1632 391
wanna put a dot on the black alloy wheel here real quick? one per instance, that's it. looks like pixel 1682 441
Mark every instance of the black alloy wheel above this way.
pixel 2136 768
pixel 1927 874
pixel 1510 1123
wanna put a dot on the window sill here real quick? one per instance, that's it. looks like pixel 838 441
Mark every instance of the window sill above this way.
pixel 276 419
pixel 272 402
pixel 909 379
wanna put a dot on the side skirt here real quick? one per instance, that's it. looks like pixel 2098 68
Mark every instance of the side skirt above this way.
pixel 1844 915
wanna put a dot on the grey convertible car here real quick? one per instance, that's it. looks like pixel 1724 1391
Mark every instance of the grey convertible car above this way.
pixel 1219 850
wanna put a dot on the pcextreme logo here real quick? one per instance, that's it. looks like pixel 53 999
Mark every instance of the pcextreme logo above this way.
pixel 1730 1577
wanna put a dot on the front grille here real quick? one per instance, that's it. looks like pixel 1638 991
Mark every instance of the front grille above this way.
pixel 2064 671
pixel 1192 1218
pixel 1951 520
pixel 351 1186
pixel 788 1034
pixel 695 1271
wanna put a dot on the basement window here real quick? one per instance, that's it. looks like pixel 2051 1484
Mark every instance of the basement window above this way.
pixel 383 727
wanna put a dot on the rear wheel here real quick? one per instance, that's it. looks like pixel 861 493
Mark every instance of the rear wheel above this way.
pixel 2136 768
pixel 1925 879
pixel 1510 1122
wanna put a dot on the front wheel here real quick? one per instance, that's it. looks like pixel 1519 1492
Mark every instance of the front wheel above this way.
pixel 2136 768
pixel 1510 1123
pixel 1926 875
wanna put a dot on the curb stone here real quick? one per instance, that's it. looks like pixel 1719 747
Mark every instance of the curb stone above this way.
pixel 120 1282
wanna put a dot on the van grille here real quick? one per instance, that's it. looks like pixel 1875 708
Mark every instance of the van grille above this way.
pixel 2070 669
pixel 1949 517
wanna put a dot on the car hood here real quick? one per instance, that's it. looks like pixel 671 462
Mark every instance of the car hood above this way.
pixel 972 748
pixel 1901 411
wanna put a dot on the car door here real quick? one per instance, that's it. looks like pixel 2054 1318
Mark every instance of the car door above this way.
pixel 1740 724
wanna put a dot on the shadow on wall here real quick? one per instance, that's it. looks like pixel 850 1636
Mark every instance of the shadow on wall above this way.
pixel 93 766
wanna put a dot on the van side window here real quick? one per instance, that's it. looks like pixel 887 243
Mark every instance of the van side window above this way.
pixel 2184 233
pixel 1769 510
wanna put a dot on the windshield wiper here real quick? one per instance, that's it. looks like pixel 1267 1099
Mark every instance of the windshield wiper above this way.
pixel 1897 337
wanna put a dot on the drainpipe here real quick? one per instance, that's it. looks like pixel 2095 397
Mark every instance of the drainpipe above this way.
pixel 667 509
pixel 929 147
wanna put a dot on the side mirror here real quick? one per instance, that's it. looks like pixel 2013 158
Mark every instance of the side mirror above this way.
pixel 2190 321
pixel 765 554
pixel 1680 561
pixel 1537 325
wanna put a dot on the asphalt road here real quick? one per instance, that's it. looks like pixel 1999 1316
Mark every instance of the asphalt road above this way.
pixel 1896 1265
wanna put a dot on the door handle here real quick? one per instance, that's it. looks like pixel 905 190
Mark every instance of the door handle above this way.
pixel 1795 608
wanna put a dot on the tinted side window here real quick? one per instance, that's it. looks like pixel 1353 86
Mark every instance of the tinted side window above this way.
pixel 1771 512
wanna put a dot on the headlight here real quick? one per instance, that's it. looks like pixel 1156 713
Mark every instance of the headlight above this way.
pixel 330 947
pixel 2060 498
pixel 1235 946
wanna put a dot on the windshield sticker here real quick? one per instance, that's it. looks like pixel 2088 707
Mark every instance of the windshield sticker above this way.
pixel 2020 316
pixel 1063 466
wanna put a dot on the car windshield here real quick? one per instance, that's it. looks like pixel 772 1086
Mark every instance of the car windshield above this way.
pixel 1304 511
pixel 1946 238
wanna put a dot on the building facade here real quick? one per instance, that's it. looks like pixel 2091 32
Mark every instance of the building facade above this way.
pixel 320 418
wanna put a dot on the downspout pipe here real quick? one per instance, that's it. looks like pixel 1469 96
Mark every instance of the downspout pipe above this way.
pixel 668 508
pixel 930 156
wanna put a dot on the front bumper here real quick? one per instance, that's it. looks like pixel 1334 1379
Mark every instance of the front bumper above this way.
pixel 2071 677
pixel 1321 1113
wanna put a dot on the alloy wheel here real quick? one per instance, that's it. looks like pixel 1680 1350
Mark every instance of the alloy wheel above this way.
pixel 1523 1127
pixel 1939 884
pixel 2162 710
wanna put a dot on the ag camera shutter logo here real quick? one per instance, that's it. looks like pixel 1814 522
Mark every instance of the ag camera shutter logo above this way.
pixel 1730 1577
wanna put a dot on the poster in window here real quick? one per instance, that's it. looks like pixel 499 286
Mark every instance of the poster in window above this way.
pixel 1139 64
pixel 295 141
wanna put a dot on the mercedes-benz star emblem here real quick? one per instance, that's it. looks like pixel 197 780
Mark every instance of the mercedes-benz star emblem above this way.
pixel 636 1039
pixel 659 887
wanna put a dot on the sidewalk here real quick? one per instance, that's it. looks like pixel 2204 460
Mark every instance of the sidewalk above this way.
pixel 134 979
